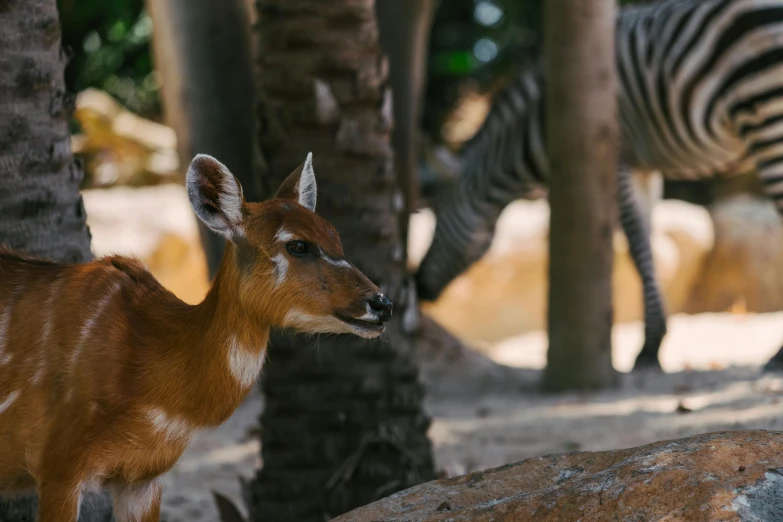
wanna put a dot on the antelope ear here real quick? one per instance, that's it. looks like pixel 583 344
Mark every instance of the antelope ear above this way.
pixel 216 196
pixel 300 185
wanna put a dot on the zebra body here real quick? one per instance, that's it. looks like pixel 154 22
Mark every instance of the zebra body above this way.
pixel 700 94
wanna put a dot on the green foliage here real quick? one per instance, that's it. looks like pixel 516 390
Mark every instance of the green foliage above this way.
pixel 477 42
pixel 472 41
pixel 109 46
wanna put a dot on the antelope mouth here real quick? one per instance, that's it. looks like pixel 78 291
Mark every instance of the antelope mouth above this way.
pixel 364 328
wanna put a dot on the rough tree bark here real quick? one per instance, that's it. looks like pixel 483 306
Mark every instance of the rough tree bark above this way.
pixel 582 137
pixel 41 210
pixel 202 52
pixel 343 422
pixel 404 33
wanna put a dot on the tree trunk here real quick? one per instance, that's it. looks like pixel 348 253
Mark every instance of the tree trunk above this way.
pixel 41 210
pixel 202 52
pixel 343 422
pixel 582 137
pixel 404 33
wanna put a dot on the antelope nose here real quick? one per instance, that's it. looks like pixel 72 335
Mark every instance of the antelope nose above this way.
pixel 382 306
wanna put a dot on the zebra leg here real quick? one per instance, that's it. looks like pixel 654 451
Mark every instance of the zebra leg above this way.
pixel 648 188
pixel 638 233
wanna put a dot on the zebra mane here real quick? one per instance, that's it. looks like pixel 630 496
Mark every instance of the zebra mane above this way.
pixel 516 96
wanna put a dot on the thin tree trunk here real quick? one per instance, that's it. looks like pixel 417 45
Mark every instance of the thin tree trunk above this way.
pixel 343 422
pixel 582 137
pixel 202 52
pixel 41 210
pixel 404 33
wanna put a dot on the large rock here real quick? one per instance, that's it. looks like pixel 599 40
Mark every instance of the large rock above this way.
pixel 122 148
pixel 726 476
pixel 504 294
pixel 745 268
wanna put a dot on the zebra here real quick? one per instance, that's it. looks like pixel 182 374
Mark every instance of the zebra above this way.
pixel 700 94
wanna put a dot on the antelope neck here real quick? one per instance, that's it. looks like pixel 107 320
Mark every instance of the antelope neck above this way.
pixel 222 321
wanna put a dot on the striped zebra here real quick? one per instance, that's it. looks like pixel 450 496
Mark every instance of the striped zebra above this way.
pixel 700 93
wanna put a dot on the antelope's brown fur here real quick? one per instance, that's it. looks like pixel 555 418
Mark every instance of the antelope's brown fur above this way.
pixel 105 375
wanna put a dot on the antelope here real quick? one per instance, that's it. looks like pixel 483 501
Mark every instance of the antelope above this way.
pixel 105 375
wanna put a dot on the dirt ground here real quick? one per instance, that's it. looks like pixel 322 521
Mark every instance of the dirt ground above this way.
pixel 713 382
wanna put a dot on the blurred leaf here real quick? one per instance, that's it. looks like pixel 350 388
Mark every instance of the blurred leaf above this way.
pixel 454 63
pixel 117 31
pixel 513 26
pixel 110 46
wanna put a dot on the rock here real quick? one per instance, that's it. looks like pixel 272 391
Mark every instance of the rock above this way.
pixel 725 476
pixel 504 294
pixel 744 269
pixel 690 229
pixel 120 147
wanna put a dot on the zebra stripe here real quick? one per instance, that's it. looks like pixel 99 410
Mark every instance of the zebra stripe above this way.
pixel 700 94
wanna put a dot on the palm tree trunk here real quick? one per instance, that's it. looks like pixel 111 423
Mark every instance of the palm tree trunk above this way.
pixel 343 422
pixel 404 35
pixel 202 51
pixel 582 137
pixel 41 210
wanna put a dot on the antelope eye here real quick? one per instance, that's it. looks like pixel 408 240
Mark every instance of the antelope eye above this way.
pixel 297 248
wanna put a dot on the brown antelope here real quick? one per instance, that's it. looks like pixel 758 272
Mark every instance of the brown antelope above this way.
pixel 105 375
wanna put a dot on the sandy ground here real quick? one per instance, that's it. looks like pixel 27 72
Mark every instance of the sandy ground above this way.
pixel 713 382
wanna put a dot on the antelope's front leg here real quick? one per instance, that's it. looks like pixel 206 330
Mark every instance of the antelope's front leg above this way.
pixel 138 502
pixel 58 500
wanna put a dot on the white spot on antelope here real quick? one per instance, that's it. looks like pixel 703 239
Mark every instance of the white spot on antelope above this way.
pixel 78 496
pixel 172 427
pixel 336 262
pixel 39 371
pixel 284 235
pixel 281 268
pixel 88 326
pixel 244 364
pixel 133 502
pixel 319 323
pixel 325 324
pixel 5 325
pixel 50 311
pixel 8 401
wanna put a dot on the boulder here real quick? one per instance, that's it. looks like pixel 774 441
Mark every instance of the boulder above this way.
pixel 122 148
pixel 725 476
pixel 504 293
pixel 744 270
